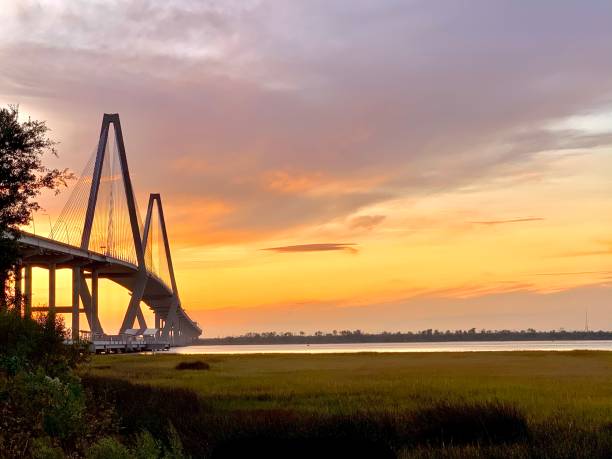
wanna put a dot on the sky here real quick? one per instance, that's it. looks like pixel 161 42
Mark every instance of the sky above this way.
pixel 374 165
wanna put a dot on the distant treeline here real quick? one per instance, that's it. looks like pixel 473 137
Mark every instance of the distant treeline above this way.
pixel 429 335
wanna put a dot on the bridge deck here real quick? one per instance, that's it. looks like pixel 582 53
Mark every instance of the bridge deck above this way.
pixel 40 251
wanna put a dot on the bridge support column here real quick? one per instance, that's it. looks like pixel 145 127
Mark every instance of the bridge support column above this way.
pixel 52 289
pixel 76 287
pixel 94 302
pixel 18 294
pixel 133 309
pixel 27 310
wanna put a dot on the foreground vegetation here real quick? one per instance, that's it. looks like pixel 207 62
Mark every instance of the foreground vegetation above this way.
pixel 46 411
pixel 514 404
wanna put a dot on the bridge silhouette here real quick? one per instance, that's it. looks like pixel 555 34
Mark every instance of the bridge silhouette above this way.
pixel 100 234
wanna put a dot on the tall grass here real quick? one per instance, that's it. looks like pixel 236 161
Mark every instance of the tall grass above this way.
pixel 490 429
pixel 471 405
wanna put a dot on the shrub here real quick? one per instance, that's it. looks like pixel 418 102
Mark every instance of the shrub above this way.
pixel 27 344
pixel 108 448
pixel 197 365
pixel 145 446
pixel 47 404
pixel 40 398
pixel 42 448
pixel 175 446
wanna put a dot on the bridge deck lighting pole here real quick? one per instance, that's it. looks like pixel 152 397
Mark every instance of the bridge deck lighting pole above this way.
pixel 76 287
pixel 52 289
pixel 27 310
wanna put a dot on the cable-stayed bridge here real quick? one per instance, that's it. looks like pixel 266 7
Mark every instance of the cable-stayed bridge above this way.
pixel 100 234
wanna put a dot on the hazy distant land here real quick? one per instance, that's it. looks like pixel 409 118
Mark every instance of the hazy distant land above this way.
pixel 429 335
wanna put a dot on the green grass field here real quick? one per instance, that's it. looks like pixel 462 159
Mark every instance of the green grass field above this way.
pixel 541 383
pixel 569 389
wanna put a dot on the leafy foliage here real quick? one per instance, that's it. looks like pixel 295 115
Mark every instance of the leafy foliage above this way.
pixel 40 396
pixel 108 448
pixel 27 344
pixel 50 405
pixel 22 174
pixel 22 178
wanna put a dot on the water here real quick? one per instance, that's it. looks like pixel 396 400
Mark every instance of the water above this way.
pixel 468 346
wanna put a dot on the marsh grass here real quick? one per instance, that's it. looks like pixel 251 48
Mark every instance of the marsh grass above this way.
pixel 369 405
pixel 290 433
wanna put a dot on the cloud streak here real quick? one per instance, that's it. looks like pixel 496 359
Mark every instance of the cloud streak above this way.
pixel 367 222
pixel 325 247
pixel 578 273
pixel 513 220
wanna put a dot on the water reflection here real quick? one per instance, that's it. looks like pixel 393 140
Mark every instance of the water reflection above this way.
pixel 472 346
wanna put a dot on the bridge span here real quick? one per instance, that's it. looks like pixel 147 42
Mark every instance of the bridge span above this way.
pixel 100 235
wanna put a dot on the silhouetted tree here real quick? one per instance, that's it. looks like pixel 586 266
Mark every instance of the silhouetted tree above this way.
pixel 22 178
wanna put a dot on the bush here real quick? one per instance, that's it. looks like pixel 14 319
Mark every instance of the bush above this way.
pixel 42 448
pixel 108 448
pixel 145 446
pixel 40 397
pixel 197 365
pixel 27 344
pixel 175 446
pixel 47 405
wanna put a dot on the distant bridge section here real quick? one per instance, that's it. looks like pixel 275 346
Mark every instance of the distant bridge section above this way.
pixel 100 234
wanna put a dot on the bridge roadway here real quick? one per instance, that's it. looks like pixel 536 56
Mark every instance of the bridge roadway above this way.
pixel 38 251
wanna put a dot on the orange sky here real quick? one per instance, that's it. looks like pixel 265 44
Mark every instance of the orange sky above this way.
pixel 373 165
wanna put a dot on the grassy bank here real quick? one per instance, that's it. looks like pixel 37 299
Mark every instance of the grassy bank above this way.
pixel 521 404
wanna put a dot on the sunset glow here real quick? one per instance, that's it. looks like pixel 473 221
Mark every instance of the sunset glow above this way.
pixel 366 165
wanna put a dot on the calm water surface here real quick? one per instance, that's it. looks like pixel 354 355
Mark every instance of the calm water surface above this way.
pixel 468 346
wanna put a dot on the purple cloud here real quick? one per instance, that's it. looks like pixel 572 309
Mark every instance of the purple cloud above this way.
pixel 430 96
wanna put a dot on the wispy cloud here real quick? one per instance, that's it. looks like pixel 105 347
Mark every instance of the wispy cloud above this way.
pixel 577 273
pixel 366 221
pixel 606 249
pixel 325 247
pixel 512 220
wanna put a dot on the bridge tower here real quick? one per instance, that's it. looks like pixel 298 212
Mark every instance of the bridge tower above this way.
pixel 109 245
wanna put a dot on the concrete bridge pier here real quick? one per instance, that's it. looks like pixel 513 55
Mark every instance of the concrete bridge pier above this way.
pixel 51 304
pixel 80 292
pixel 18 292
pixel 93 321
pixel 27 300
pixel 76 305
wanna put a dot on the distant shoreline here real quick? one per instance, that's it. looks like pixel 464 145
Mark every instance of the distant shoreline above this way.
pixel 427 336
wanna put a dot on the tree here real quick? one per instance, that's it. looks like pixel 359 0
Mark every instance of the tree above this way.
pixel 22 178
